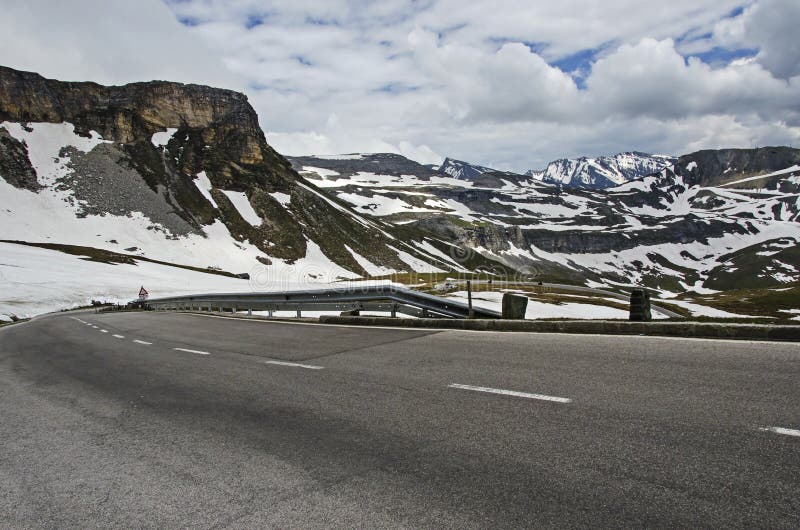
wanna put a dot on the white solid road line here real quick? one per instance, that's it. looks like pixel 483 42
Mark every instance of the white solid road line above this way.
pixel 192 351
pixel 118 336
pixel 514 393
pixel 782 430
pixel 137 341
pixel 296 365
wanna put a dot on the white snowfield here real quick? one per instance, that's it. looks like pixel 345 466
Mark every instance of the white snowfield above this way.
pixel 35 280
pixel 50 216
pixel 769 218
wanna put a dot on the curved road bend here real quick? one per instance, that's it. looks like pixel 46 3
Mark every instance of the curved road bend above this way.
pixel 168 420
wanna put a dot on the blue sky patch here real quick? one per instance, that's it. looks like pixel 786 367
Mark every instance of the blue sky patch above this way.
pixel 718 56
pixel 305 61
pixel 254 21
pixel 397 88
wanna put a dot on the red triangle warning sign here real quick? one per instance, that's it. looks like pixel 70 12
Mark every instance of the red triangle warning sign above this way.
pixel 143 293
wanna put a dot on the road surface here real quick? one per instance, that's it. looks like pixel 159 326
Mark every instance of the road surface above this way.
pixel 177 420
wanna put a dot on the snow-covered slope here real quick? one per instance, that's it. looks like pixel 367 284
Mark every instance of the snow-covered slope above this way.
pixel 463 170
pixel 601 172
pixel 38 280
pixel 54 214
pixel 179 173
pixel 672 230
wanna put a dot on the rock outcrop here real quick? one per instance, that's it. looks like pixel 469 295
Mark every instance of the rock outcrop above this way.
pixel 204 130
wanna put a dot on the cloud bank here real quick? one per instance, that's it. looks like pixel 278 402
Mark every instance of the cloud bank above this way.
pixel 510 83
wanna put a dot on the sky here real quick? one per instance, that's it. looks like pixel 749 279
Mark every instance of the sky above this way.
pixel 510 84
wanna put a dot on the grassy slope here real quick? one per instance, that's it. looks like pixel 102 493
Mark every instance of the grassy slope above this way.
pixel 766 302
pixel 112 258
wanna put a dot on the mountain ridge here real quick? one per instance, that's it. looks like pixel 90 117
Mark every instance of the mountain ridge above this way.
pixel 187 161
pixel 137 168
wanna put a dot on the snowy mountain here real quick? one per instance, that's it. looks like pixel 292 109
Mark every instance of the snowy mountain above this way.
pixel 601 172
pixel 176 173
pixel 463 170
pixel 593 173
pixel 177 181
pixel 701 225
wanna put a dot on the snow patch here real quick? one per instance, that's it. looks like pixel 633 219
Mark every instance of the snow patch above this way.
pixel 161 139
pixel 371 268
pixel 283 198
pixel 205 187
pixel 243 206
pixel 416 264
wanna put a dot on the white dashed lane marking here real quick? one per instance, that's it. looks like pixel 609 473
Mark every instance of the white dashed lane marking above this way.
pixel 118 336
pixel 782 430
pixel 295 365
pixel 514 393
pixel 145 343
pixel 198 352
pixel 103 331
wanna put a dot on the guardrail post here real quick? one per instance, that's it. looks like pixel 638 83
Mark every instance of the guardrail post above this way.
pixel 271 312
pixel 249 311
pixel 299 312
pixel 470 312
pixel 234 310
pixel 394 310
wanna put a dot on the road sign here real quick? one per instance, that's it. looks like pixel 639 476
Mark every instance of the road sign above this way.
pixel 143 293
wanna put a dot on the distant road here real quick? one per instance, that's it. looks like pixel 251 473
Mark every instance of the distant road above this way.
pixel 176 420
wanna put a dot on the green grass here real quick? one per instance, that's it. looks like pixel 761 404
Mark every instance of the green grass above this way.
pixel 112 258
pixel 762 302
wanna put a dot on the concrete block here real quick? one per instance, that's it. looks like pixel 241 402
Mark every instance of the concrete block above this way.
pixel 514 306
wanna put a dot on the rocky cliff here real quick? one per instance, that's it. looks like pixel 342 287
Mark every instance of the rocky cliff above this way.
pixel 184 156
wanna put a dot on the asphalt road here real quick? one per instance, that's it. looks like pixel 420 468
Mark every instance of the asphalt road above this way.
pixel 215 422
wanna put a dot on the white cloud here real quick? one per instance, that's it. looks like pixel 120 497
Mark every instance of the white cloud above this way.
pixel 651 78
pixel 474 80
pixel 771 26
pixel 109 42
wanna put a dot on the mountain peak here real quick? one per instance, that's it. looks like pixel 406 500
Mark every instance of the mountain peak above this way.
pixel 603 171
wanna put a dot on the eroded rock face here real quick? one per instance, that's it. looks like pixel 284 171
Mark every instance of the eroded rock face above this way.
pixel 714 167
pixel 14 163
pixel 135 111
pixel 216 131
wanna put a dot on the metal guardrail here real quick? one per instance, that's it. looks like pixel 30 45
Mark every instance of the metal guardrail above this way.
pixel 385 298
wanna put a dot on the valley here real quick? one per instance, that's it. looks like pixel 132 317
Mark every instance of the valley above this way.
pixel 179 176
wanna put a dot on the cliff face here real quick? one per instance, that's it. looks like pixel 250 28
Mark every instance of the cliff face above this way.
pixel 204 130
pixel 134 112
pixel 714 167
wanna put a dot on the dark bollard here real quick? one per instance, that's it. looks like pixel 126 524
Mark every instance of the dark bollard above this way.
pixel 514 306
pixel 640 306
